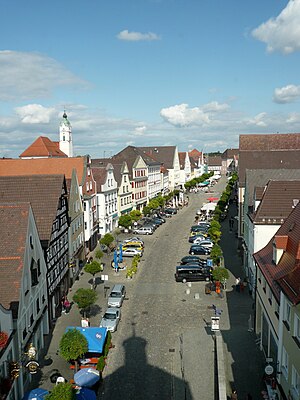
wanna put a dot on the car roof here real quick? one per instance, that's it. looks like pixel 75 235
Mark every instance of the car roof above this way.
pixel 117 287
pixel 111 310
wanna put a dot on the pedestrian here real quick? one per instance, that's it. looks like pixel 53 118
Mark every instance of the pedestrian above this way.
pixel 234 395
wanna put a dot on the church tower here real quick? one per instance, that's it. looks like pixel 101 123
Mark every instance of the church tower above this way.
pixel 65 136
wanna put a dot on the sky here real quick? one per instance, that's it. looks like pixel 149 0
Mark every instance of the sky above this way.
pixel 190 73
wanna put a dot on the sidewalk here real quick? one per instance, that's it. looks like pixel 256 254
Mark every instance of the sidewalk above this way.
pixel 244 361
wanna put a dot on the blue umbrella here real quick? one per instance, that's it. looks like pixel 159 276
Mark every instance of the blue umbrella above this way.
pixel 121 253
pixel 85 394
pixel 116 259
pixel 35 394
pixel 87 377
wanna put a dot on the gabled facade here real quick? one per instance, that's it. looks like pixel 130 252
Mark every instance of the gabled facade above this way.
pixel 168 157
pixel 107 196
pixel 185 168
pixel 138 174
pixel 229 161
pixel 277 304
pixel 214 163
pixel 76 173
pixel 47 195
pixel 272 205
pixel 23 291
pixel 121 174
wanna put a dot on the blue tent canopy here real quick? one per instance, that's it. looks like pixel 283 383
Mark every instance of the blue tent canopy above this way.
pixel 95 337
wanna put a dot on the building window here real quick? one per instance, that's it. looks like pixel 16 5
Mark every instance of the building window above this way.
pixel 270 296
pixel 31 241
pixel 287 315
pixel 37 306
pixel 295 383
pixel 285 363
pixel 297 328
pixel 34 273
pixel 87 186
pixel 91 185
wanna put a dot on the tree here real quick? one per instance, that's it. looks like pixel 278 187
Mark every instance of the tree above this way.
pixel 216 254
pixel 93 268
pixel 125 221
pixel 73 345
pixel 107 240
pixel 147 210
pixel 220 274
pixel 99 254
pixel 135 215
pixel 84 298
pixel 62 391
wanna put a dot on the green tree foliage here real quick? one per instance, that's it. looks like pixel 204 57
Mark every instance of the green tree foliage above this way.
pixel 220 274
pixel 107 239
pixel 216 254
pixel 135 215
pixel 99 254
pixel 100 364
pixel 93 268
pixel 147 210
pixel 107 343
pixel 63 391
pixel 84 298
pixel 73 345
pixel 125 221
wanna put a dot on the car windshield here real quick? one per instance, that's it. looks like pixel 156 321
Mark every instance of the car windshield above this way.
pixel 114 294
pixel 109 316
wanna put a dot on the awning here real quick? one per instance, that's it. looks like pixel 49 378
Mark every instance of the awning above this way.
pixel 95 337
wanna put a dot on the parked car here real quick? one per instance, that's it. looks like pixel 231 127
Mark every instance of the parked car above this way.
pixel 197 236
pixel 148 222
pixel 206 243
pixel 116 297
pixel 160 217
pixel 134 239
pixel 157 220
pixel 131 252
pixel 170 210
pixel 144 230
pixel 199 228
pixel 200 250
pixel 136 245
pixel 111 319
pixel 189 273
pixel 187 259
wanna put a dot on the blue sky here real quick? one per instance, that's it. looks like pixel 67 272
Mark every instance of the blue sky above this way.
pixel 191 73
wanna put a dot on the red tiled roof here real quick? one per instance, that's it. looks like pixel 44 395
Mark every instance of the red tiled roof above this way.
pixel 277 201
pixel 41 191
pixel 43 147
pixel 268 142
pixel 285 275
pixel 182 155
pixel 43 166
pixel 13 234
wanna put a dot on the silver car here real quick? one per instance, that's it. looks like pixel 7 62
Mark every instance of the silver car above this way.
pixel 111 319
pixel 131 252
pixel 116 297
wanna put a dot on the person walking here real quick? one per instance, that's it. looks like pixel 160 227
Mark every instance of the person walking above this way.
pixel 234 395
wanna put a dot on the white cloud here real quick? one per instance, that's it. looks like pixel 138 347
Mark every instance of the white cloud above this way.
pixel 35 114
pixel 137 36
pixel 283 32
pixel 181 115
pixel 286 94
pixel 257 120
pixel 293 118
pixel 140 130
pixel 26 76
